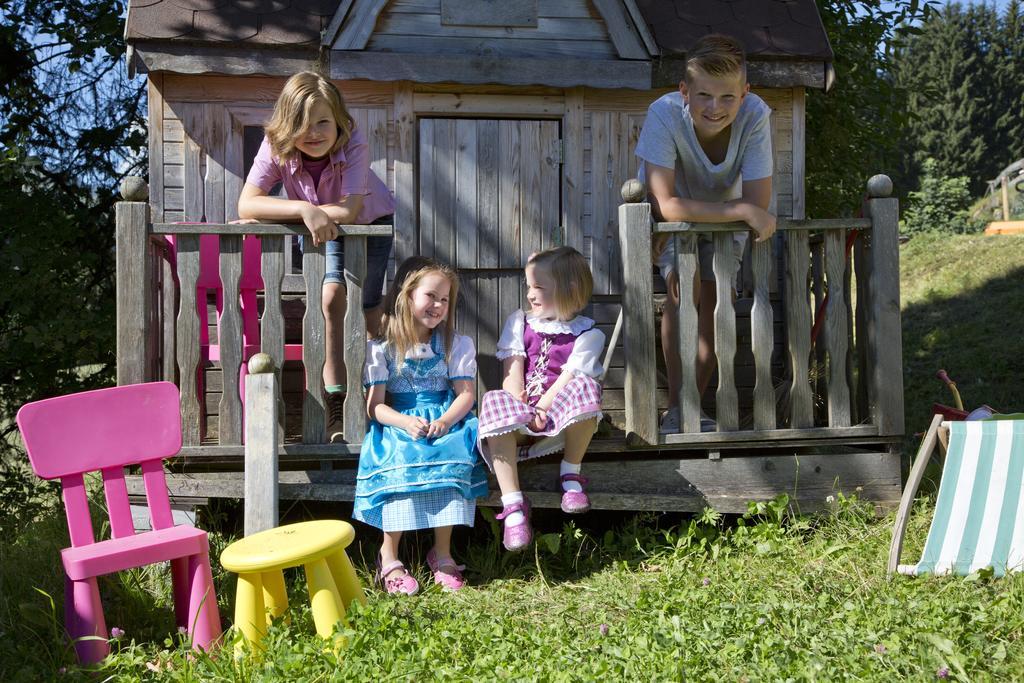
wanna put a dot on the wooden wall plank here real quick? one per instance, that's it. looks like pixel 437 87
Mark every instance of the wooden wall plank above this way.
pixel 427 201
pixel 621 30
pixel 549 228
pixel 415 25
pixel 405 177
pixel 572 168
pixel 530 189
pixel 799 127
pixel 600 126
pixel 466 47
pixel 445 188
pixel 466 224
pixel 509 198
pixel 487 195
pixel 359 25
pixel 157 135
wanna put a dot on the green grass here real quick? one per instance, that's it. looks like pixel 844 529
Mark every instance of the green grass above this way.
pixel 765 597
pixel 963 310
pixel 622 597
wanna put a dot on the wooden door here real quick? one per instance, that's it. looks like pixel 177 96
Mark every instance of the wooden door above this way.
pixel 489 196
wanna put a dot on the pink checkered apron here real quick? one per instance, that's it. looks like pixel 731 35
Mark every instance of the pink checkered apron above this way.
pixel 501 412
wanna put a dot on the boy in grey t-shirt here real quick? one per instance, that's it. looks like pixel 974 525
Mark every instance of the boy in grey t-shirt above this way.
pixel 705 156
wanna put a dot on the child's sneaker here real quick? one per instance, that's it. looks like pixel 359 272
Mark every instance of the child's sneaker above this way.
pixel 518 537
pixel 574 502
pixel 447 574
pixel 335 417
pixel 399 584
pixel 670 421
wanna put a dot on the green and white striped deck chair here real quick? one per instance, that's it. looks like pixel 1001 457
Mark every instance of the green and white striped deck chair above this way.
pixel 979 511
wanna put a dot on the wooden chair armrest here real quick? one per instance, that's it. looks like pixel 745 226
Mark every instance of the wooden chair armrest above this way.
pixel 924 454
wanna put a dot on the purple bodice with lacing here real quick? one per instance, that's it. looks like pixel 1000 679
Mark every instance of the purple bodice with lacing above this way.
pixel 545 355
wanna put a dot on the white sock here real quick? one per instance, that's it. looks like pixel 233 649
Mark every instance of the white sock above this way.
pixel 516 518
pixel 569 468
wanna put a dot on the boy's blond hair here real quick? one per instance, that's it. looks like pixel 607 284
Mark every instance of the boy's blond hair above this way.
pixel 397 326
pixel 293 109
pixel 573 282
pixel 717 55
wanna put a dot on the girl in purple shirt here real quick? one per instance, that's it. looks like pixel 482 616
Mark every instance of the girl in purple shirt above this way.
pixel 313 149
pixel 552 361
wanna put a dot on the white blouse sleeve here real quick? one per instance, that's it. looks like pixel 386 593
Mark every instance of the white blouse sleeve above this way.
pixel 462 359
pixel 585 358
pixel 511 341
pixel 376 370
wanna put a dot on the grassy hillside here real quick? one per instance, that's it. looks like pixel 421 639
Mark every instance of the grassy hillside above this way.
pixel 963 310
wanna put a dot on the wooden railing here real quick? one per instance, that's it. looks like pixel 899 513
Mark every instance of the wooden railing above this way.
pixel 141 327
pixel 860 345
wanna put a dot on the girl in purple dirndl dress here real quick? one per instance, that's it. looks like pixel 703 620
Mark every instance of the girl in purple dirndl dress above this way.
pixel 550 398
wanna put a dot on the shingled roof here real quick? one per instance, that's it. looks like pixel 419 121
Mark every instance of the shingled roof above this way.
pixel 280 23
pixel 770 29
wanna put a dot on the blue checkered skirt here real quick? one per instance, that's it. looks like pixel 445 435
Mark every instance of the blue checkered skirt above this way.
pixel 405 483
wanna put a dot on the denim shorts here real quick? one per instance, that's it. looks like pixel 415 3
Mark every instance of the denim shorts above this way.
pixel 378 250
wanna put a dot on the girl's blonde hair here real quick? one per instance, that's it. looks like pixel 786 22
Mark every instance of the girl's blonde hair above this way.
pixel 571 276
pixel 397 327
pixel 293 110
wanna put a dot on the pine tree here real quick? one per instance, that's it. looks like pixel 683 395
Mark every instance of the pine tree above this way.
pixel 948 76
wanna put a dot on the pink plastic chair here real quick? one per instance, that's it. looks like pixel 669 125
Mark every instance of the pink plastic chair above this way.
pixel 106 430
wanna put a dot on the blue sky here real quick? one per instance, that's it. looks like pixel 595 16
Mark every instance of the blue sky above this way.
pixel 1001 4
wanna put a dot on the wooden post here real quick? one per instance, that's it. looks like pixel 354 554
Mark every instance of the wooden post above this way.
pixel 261 439
pixel 638 321
pixel 727 413
pixel 134 283
pixel 1006 197
pixel 885 349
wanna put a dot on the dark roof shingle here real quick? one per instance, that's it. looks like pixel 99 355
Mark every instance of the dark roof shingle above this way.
pixel 291 23
pixel 768 29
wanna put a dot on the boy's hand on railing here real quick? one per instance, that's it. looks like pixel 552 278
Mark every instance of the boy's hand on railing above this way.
pixel 760 221
pixel 416 427
pixel 320 225
pixel 437 429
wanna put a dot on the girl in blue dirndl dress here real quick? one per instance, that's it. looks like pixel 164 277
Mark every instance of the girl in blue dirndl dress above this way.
pixel 418 467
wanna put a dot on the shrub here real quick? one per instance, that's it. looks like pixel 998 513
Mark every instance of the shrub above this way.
pixel 941 205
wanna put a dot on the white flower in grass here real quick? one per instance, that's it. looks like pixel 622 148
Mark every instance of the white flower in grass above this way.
pixel 830 499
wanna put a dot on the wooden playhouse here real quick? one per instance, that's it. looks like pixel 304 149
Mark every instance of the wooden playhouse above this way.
pixel 504 127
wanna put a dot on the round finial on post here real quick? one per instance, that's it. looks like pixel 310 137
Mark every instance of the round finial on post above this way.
pixel 261 364
pixel 879 186
pixel 134 189
pixel 633 191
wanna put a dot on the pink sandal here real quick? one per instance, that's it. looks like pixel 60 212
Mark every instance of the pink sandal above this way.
pixel 447 574
pixel 574 502
pixel 516 538
pixel 405 583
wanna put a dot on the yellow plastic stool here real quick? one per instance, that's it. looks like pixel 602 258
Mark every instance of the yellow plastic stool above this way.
pixel 259 561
